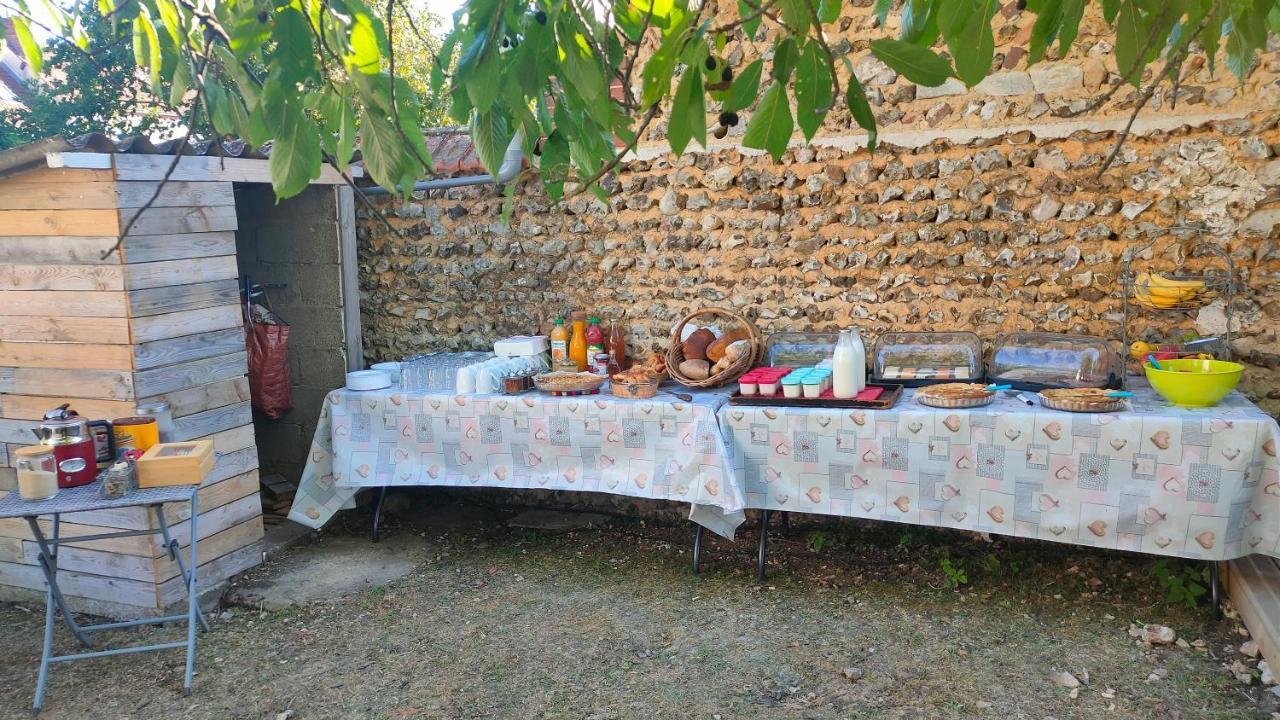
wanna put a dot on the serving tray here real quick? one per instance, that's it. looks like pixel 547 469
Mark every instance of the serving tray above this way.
pixel 827 400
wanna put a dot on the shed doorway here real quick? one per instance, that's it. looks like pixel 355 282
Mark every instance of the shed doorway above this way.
pixel 300 253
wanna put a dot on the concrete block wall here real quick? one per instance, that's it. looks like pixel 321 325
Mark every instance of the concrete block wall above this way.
pixel 296 243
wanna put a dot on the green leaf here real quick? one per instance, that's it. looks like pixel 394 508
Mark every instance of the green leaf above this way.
pixel 745 87
pixel 658 69
pixel 30 48
pixel 917 64
pixel 828 11
pixel 745 10
pixel 294 53
pixel 144 37
pixel 554 164
pixel 368 41
pixel 771 125
pixel 785 55
pixel 181 81
pixel 856 98
pixel 919 20
pixel 383 153
pixel 219 107
pixel 1131 36
pixel 295 147
pixel 881 10
pixel 972 43
pixel 688 109
pixel 1047 26
pixel 491 133
pixel 795 14
pixel 813 89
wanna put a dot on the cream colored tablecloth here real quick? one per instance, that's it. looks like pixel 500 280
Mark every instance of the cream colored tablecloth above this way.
pixel 1155 479
pixel 662 449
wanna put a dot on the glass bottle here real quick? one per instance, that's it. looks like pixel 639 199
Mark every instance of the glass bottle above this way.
pixel 578 342
pixel 616 345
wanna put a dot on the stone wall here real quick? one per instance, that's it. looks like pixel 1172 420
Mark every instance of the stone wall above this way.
pixel 989 215
pixel 295 243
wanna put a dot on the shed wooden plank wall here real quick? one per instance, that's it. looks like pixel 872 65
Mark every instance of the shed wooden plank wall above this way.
pixel 157 319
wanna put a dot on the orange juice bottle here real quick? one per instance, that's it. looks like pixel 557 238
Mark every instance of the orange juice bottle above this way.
pixel 559 343
pixel 578 342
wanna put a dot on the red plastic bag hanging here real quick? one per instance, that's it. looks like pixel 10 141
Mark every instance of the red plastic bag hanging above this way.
pixel 267 340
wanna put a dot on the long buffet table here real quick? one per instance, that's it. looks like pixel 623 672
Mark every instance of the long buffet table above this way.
pixel 1201 484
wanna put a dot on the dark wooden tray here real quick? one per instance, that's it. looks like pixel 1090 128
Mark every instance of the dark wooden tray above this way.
pixel 886 400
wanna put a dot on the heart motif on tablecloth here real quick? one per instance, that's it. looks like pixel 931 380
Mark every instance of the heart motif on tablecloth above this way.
pixel 334 478
pixel 614 436
pixel 1153 516
pixel 1057 530
pixel 434 472
pixel 543 479
pixel 1230 453
pixel 782 498
pixel 340 431
pixel 363 471
pixel 871 456
pixel 712 487
pixel 472 433
pixel 406 477
pixel 570 474
pixel 406 432
pixel 1098 527
pixel 822 420
pixel 1251 516
pixel 1173 485
pixel 857 482
pixel 1269 447
pixel 459 401
pixel 903 503
pixel 502 404
pixel 572 407
pixel 541 435
pixel 399 455
pixel 500 473
pixel 678 407
pixel 640 480
pixel 952 423
pixel 782 448
pixel 601 404
pixel 867 505
pixel 915 427
pixel 858 418
pixel 464 457
pixel 1047 503
pixel 687 439
pixel 1206 539
pixel 771 414
pixel 1255 541
pixel 313 513
pixel 964 463
pixel 606 461
pixel 1063 473
pixel 1272 488
pixel 435 404
pixel 959 515
pixel 814 495
pixel 529 402
pixel 395 399
pixel 1012 434
pixel 950 492
pixel 1107 419
pixel 317 455
pixel 996 513
pixel 1161 439
pixel 646 408
pixel 334 399
pixel 372 403
pixel 532 459
pixel 1118 444
pixel 1163 542
pixel 1053 430
pixel 612 483
pixel 737 415
pixel 771 474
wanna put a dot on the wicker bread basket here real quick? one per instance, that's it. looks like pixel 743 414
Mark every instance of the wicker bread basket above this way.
pixel 727 319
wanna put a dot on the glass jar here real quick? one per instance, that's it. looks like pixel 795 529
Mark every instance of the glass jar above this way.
pixel 161 411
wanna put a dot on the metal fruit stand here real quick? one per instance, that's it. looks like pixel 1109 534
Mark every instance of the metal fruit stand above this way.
pixel 1140 295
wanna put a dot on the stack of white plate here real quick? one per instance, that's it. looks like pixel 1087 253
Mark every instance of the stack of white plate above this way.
pixel 368 380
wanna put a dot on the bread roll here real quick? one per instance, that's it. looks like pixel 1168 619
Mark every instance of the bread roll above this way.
pixel 695 347
pixel 695 369
pixel 715 350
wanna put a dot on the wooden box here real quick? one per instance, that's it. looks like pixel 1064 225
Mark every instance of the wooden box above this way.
pixel 180 463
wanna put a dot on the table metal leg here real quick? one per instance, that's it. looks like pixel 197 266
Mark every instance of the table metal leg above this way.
pixel 47 652
pixel 1215 589
pixel 764 537
pixel 697 549
pixel 49 566
pixel 377 513
pixel 175 553
pixel 193 601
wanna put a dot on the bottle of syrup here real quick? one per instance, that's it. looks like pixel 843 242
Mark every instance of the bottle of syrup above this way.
pixel 615 343
pixel 578 342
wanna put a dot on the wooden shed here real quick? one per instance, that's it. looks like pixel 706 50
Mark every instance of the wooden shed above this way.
pixel 157 318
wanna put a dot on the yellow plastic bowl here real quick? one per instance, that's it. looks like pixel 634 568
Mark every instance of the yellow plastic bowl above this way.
pixel 1192 382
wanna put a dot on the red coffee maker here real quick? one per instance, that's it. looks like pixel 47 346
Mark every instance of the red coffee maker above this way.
pixel 75 455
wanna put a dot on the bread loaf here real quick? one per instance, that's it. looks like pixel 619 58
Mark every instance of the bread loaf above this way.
pixel 695 369
pixel 715 350
pixel 695 346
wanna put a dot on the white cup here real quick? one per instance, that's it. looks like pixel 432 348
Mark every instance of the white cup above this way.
pixel 466 380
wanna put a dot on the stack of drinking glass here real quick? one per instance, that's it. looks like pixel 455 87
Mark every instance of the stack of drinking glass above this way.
pixel 436 372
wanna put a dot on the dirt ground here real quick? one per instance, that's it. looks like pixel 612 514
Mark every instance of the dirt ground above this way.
pixel 855 621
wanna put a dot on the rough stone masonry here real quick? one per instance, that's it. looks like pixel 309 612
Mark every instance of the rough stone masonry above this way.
pixel 956 226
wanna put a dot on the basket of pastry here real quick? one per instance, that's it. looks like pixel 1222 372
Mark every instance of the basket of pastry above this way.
pixel 568 383
pixel 1081 400
pixel 955 395
pixel 641 380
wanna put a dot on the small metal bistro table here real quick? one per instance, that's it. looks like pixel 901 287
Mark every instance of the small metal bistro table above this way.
pixel 84 499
